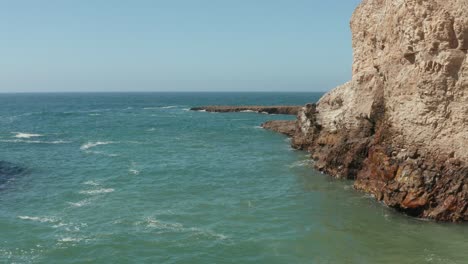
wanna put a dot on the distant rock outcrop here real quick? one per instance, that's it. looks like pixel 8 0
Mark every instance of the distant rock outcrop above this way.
pixel 400 126
pixel 279 110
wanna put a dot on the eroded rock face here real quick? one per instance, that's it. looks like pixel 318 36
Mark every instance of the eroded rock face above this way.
pixel 400 126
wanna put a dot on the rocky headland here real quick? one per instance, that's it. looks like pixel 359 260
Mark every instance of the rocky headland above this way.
pixel 278 110
pixel 399 128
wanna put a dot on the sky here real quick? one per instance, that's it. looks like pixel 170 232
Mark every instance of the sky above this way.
pixel 174 45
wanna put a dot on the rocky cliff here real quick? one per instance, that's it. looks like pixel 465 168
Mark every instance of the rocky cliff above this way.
pixel 400 126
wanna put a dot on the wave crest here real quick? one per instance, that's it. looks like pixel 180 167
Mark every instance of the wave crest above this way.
pixel 97 191
pixel 34 141
pixel 25 135
pixel 94 144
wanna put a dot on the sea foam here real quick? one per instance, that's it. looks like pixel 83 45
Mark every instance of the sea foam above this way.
pixel 160 107
pixel 80 203
pixel 70 239
pixel 302 163
pixel 178 227
pixel 34 141
pixel 38 219
pixel 94 144
pixel 134 172
pixel 93 183
pixel 25 135
pixel 97 191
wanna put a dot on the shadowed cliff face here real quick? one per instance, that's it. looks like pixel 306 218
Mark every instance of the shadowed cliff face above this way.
pixel 400 126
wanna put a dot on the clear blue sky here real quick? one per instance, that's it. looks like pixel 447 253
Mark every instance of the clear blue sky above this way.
pixel 174 45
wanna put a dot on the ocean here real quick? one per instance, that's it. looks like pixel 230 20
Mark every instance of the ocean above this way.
pixel 138 178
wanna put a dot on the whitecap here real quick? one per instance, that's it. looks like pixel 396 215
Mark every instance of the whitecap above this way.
pixel 38 219
pixel 206 232
pixel 59 225
pixel 93 183
pixel 57 142
pixel 94 114
pixel 97 191
pixel 134 172
pixel 203 110
pixel 80 203
pixel 186 109
pixel 35 141
pixel 248 111
pixel 25 135
pixel 160 107
pixel 70 239
pixel 94 144
pixel 258 127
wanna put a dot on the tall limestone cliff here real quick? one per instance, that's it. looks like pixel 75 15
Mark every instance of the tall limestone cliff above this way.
pixel 400 126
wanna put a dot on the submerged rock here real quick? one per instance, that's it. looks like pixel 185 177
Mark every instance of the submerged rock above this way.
pixel 283 110
pixel 400 126
pixel 8 171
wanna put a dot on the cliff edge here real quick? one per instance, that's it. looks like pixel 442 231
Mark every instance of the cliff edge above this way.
pixel 400 126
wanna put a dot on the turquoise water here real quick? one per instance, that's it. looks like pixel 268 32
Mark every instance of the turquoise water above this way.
pixel 137 178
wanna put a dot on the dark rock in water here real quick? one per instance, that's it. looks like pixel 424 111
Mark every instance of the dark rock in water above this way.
pixel 8 171
pixel 279 110
pixel 287 127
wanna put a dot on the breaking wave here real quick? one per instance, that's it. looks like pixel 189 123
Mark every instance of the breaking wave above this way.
pixel 97 191
pixel 25 135
pixel 302 163
pixel 39 219
pixel 94 144
pixel 35 141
